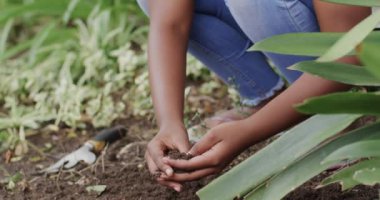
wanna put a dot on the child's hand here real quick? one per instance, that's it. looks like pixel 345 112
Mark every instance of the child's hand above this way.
pixel 174 137
pixel 212 153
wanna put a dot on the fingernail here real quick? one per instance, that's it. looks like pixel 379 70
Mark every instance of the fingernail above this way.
pixel 165 160
pixel 169 172
pixel 177 188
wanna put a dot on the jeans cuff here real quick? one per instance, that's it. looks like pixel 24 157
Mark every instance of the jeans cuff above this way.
pixel 257 100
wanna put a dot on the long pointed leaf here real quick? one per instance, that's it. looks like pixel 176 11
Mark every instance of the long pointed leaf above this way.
pixel 348 42
pixel 368 3
pixel 355 151
pixel 310 166
pixel 345 176
pixel 370 176
pixel 369 55
pixel 344 73
pixel 292 146
pixel 345 102
pixel 305 44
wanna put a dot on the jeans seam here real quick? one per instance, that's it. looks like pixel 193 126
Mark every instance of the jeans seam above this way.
pixel 293 20
pixel 251 82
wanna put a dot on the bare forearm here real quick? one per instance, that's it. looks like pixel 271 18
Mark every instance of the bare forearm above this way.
pixel 167 59
pixel 280 114
pixel 167 74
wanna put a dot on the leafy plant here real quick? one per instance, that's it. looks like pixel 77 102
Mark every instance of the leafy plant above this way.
pixel 73 62
pixel 315 145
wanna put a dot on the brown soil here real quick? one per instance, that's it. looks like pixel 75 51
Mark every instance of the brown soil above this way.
pixel 177 155
pixel 124 172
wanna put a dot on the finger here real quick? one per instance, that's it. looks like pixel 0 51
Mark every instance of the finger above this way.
pixel 153 169
pixel 183 146
pixel 205 144
pixel 205 160
pixel 171 184
pixel 157 153
pixel 191 176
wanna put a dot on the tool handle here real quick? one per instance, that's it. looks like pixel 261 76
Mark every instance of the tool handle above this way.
pixel 110 135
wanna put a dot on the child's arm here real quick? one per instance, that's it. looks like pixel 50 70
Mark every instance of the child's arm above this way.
pixel 222 143
pixel 170 22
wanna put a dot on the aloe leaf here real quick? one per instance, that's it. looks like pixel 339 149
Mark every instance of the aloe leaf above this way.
pixel 340 72
pixel 349 41
pixel 369 176
pixel 345 177
pixel 355 151
pixel 311 165
pixel 305 44
pixel 344 102
pixel 368 3
pixel 369 56
pixel 292 146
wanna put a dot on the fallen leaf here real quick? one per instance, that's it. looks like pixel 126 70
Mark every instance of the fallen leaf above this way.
pixel 98 189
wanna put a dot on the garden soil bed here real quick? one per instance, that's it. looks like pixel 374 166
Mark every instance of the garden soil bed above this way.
pixel 123 171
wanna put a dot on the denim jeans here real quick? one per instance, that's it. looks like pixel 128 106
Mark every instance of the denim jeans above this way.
pixel 223 30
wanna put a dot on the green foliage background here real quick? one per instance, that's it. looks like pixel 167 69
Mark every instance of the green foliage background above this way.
pixel 74 62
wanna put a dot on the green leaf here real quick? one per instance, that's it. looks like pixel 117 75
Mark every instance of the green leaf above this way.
pixel 370 176
pixel 305 44
pixel 355 151
pixel 310 166
pixel 46 7
pixel 344 73
pixel 344 102
pixel 346 176
pixel 38 41
pixel 350 40
pixel 369 56
pixel 4 36
pixel 368 3
pixel 98 189
pixel 292 146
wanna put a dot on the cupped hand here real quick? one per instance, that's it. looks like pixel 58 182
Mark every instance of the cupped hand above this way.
pixel 212 153
pixel 173 137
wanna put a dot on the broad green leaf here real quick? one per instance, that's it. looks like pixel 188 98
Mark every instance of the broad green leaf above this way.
pixel 344 102
pixel 292 146
pixel 355 151
pixel 368 3
pixel 369 56
pixel 305 44
pixel 349 41
pixel 310 166
pixel 346 176
pixel 344 73
pixel 370 176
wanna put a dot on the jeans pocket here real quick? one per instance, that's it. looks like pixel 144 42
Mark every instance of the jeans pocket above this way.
pixel 303 17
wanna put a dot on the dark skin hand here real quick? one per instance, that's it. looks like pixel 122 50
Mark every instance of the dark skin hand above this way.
pixel 170 24
pixel 169 33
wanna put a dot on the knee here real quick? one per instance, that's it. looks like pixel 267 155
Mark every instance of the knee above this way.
pixel 144 6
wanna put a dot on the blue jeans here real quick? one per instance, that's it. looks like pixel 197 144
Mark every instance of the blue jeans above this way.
pixel 223 30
